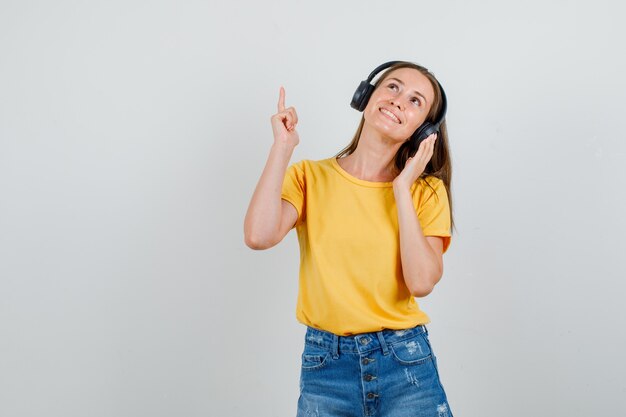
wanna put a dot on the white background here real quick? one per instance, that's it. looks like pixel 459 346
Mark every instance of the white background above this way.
pixel 133 133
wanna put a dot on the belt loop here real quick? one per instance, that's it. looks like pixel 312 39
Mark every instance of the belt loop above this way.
pixel 335 346
pixel 383 343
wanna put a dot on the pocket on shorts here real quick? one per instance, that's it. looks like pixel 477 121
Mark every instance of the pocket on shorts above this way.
pixel 314 357
pixel 412 351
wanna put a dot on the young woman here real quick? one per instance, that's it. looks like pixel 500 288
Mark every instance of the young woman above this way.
pixel 372 226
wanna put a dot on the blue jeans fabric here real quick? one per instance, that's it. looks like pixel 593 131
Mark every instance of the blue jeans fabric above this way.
pixel 389 373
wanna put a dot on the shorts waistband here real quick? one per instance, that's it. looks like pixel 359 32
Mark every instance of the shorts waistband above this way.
pixel 360 342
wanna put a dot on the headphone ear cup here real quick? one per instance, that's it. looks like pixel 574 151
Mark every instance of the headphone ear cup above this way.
pixel 361 96
pixel 424 131
pixel 420 134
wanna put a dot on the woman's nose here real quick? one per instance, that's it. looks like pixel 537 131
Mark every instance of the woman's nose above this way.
pixel 395 102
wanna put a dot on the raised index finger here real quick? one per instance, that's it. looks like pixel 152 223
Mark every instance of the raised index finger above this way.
pixel 281 99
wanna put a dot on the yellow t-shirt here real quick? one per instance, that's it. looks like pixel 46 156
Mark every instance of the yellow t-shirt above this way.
pixel 350 268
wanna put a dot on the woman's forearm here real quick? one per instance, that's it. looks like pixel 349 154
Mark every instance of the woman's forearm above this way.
pixel 262 221
pixel 420 267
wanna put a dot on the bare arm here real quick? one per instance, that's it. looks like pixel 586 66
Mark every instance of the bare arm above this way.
pixel 269 218
pixel 421 256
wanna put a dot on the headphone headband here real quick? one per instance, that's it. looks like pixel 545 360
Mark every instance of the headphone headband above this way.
pixel 380 68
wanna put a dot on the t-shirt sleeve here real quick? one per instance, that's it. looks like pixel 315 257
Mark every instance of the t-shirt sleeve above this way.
pixel 294 188
pixel 433 211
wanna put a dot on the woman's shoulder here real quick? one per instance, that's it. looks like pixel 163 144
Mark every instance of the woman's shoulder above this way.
pixel 428 186
pixel 313 163
pixel 431 180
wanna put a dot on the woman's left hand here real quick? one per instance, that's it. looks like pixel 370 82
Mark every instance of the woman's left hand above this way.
pixel 416 164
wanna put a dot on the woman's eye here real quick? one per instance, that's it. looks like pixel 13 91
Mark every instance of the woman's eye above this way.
pixel 415 99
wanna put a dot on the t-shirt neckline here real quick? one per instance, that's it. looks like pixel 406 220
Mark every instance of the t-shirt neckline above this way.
pixel 358 180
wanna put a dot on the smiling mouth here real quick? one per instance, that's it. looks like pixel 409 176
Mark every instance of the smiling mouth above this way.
pixel 390 115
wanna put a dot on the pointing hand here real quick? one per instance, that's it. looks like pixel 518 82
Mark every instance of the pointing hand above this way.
pixel 284 122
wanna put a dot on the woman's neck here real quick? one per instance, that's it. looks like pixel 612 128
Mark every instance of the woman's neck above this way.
pixel 373 159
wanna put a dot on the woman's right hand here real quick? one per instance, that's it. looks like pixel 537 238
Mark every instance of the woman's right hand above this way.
pixel 284 123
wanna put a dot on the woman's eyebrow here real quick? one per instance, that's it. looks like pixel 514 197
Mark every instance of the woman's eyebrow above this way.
pixel 415 91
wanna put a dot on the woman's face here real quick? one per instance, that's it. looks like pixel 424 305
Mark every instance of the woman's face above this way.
pixel 408 95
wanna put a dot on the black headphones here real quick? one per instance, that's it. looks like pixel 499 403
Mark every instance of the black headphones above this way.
pixel 364 92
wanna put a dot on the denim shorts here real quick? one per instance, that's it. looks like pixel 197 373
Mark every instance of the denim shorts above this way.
pixel 389 373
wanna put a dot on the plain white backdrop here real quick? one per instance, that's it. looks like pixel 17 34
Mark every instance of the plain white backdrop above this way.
pixel 133 133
